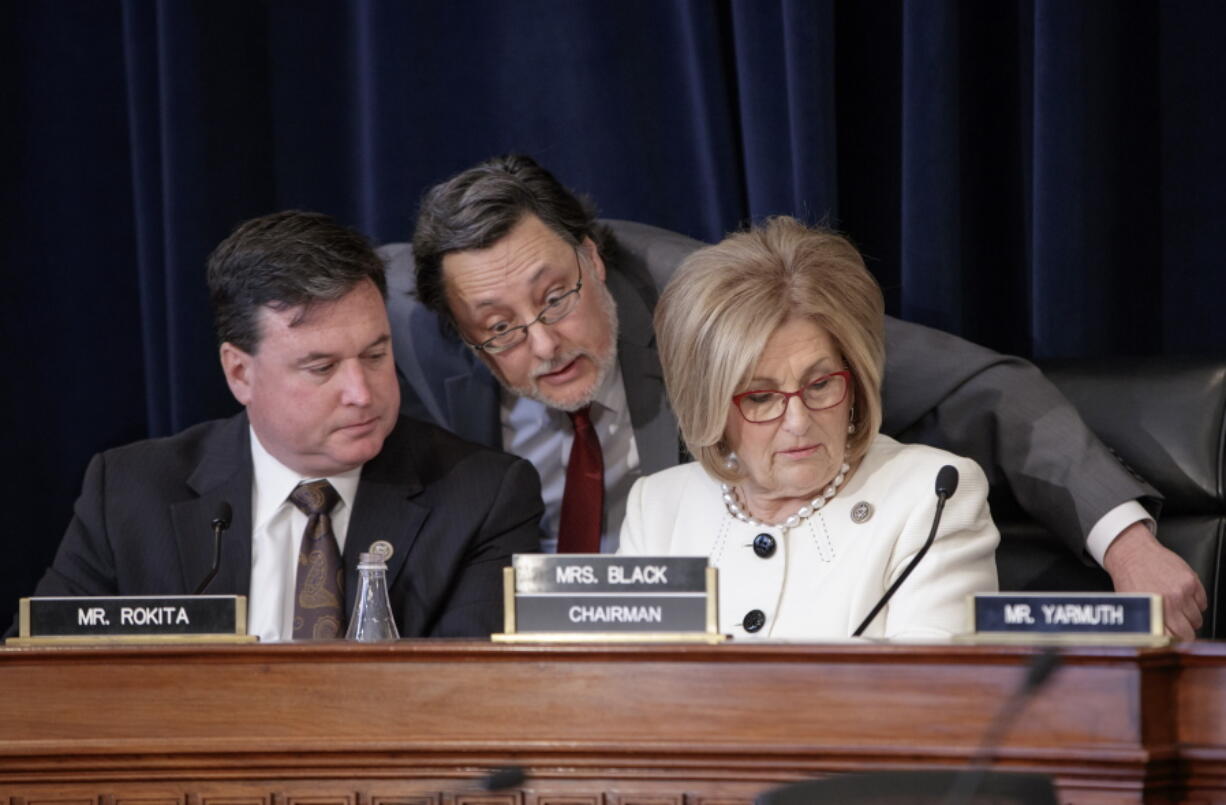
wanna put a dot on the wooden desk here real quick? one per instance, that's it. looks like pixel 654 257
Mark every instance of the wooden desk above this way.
pixel 413 723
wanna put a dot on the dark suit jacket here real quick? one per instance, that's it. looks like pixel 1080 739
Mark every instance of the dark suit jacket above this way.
pixel 454 512
pixel 939 390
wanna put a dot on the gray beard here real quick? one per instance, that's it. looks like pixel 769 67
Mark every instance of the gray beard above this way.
pixel 604 363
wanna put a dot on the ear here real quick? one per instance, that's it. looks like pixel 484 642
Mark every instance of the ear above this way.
pixel 237 367
pixel 593 257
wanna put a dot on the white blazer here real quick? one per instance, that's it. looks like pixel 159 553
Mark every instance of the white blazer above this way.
pixel 827 573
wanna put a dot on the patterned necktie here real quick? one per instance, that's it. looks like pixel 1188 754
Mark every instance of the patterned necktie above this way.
pixel 583 498
pixel 319 594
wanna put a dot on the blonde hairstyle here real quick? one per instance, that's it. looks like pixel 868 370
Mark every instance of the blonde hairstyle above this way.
pixel 725 301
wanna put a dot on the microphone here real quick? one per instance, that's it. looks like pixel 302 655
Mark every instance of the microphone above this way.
pixel 946 787
pixel 1040 669
pixel 947 484
pixel 504 778
pixel 221 521
pixel 499 779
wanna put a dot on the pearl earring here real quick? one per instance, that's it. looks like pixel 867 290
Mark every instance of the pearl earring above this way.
pixel 851 425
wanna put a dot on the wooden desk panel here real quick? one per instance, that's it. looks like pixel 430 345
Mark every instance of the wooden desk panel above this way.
pixel 598 725
pixel 1199 702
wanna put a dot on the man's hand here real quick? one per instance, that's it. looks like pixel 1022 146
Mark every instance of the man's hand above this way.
pixel 1138 563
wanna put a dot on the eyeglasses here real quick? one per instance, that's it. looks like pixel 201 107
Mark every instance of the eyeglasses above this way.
pixel 556 308
pixel 767 405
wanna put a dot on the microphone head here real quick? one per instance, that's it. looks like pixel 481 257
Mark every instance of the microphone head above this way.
pixel 1041 669
pixel 222 515
pixel 947 481
pixel 504 778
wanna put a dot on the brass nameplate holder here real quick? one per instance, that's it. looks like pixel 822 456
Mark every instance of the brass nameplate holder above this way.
pixel 1067 618
pixel 48 621
pixel 592 598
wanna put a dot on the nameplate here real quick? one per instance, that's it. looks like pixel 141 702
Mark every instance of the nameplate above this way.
pixel 596 573
pixel 1039 615
pixel 595 597
pixel 199 618
pixel 611 613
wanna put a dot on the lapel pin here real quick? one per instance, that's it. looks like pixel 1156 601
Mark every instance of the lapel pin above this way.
pixel 382 548
pixel 862 512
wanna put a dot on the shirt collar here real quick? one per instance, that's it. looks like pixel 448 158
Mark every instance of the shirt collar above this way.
pixel 274 482
pixel 611 395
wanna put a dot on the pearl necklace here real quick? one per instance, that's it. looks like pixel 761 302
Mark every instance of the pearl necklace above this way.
pixel 734 508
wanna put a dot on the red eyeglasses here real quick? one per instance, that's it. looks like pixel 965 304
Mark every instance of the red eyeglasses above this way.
pixel 767 405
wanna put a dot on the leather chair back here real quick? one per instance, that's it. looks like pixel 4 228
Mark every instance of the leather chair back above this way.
pixel 1166 420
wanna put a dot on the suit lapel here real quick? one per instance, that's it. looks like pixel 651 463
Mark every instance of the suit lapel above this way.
pixel 472 397
pixel 223 474
pixel 384 510
pixel 463 394
pixel 655 428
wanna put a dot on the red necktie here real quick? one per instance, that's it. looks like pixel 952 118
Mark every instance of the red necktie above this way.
pixel 583 499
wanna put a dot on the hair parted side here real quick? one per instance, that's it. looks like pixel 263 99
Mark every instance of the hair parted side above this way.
pixel 283 261
pixel 724 302
pixel 478 207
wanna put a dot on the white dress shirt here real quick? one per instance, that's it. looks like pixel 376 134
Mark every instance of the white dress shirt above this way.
pixel 543 436
pixel 276 535
pixel 1112 524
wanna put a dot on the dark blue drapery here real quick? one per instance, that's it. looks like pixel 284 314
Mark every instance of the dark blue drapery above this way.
pixel 1044 176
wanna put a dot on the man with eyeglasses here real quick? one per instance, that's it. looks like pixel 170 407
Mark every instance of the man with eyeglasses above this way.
pixel 539 311
pixel 533 334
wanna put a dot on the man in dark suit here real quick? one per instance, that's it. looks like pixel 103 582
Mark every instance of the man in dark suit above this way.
pixel 306 348
pixel 493 250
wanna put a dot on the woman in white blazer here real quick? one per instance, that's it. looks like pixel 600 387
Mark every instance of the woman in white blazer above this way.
pixel 772 345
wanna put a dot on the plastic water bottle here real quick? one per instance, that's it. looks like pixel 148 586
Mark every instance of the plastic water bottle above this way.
pixel 372 619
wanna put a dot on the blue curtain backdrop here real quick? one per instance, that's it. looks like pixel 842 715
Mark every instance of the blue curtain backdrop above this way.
pixel 1043 176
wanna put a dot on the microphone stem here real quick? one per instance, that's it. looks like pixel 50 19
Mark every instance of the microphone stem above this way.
pixel 932 535
pixel 217 528
pixel 967 784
